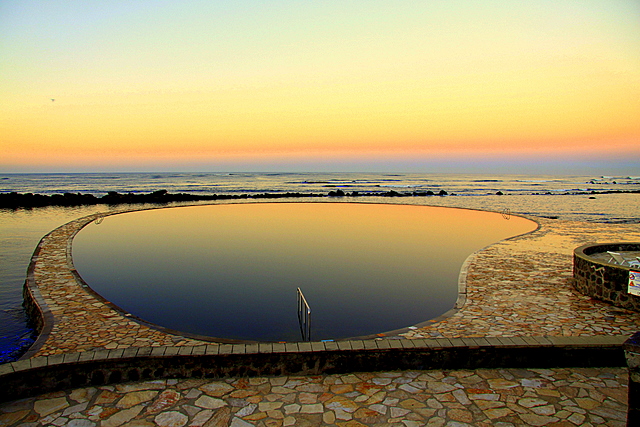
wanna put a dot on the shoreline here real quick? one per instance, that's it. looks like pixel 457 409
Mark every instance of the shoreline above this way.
pixel 14 200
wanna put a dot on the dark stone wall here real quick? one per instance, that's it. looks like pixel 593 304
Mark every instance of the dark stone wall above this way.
pixel 602 280
pixel 53 376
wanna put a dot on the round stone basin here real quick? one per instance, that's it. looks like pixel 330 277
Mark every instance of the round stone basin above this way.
pixel 606 270
pixel 231 271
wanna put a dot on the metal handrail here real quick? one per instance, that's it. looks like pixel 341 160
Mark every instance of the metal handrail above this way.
pixel 304 316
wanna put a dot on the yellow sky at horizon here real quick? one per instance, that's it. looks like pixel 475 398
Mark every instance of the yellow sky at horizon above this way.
pixel 253 82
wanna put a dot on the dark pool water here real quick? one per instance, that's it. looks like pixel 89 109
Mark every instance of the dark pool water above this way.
pixel 231 271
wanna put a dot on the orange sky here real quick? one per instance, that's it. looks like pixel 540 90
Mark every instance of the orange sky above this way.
pixel 286 85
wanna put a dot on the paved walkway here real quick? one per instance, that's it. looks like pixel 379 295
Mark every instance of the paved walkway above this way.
pixel 506 397
pixel 516 288
pixel 522 287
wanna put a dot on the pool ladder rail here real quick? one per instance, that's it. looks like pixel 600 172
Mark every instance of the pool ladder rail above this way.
pixel 304 316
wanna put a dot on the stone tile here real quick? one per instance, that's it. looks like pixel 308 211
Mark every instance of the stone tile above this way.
pixel 165 400
pixel 209 402
pixel 171 419
pixel 45 407
pixel 122 417
pixel 217 389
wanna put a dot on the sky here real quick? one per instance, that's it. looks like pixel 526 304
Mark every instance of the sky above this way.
pixel 362 85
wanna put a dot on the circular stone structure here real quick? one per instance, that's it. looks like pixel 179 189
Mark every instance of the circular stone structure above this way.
pixel 598 277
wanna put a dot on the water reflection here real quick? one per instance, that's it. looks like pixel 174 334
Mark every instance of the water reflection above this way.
pixel 232 270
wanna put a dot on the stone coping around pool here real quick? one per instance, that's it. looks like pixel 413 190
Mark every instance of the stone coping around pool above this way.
pixel 493 301
pixel 45 374
pixel 59 242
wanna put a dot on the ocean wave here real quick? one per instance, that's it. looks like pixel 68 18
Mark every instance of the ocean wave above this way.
pixel 335 181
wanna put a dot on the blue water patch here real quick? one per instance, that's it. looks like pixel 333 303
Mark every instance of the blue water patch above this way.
pixel 15 337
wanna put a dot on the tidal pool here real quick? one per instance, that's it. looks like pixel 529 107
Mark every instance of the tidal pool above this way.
pixel 231 271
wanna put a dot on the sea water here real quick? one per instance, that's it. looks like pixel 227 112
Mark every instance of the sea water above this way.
pixel 581 198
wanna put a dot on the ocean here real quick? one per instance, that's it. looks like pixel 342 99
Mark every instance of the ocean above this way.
pixel 612 199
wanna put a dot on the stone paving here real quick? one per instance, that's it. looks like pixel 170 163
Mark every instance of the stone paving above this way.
pixel 483 397
pixel 520 287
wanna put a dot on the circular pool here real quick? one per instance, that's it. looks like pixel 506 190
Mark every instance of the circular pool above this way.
pixel 231 271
